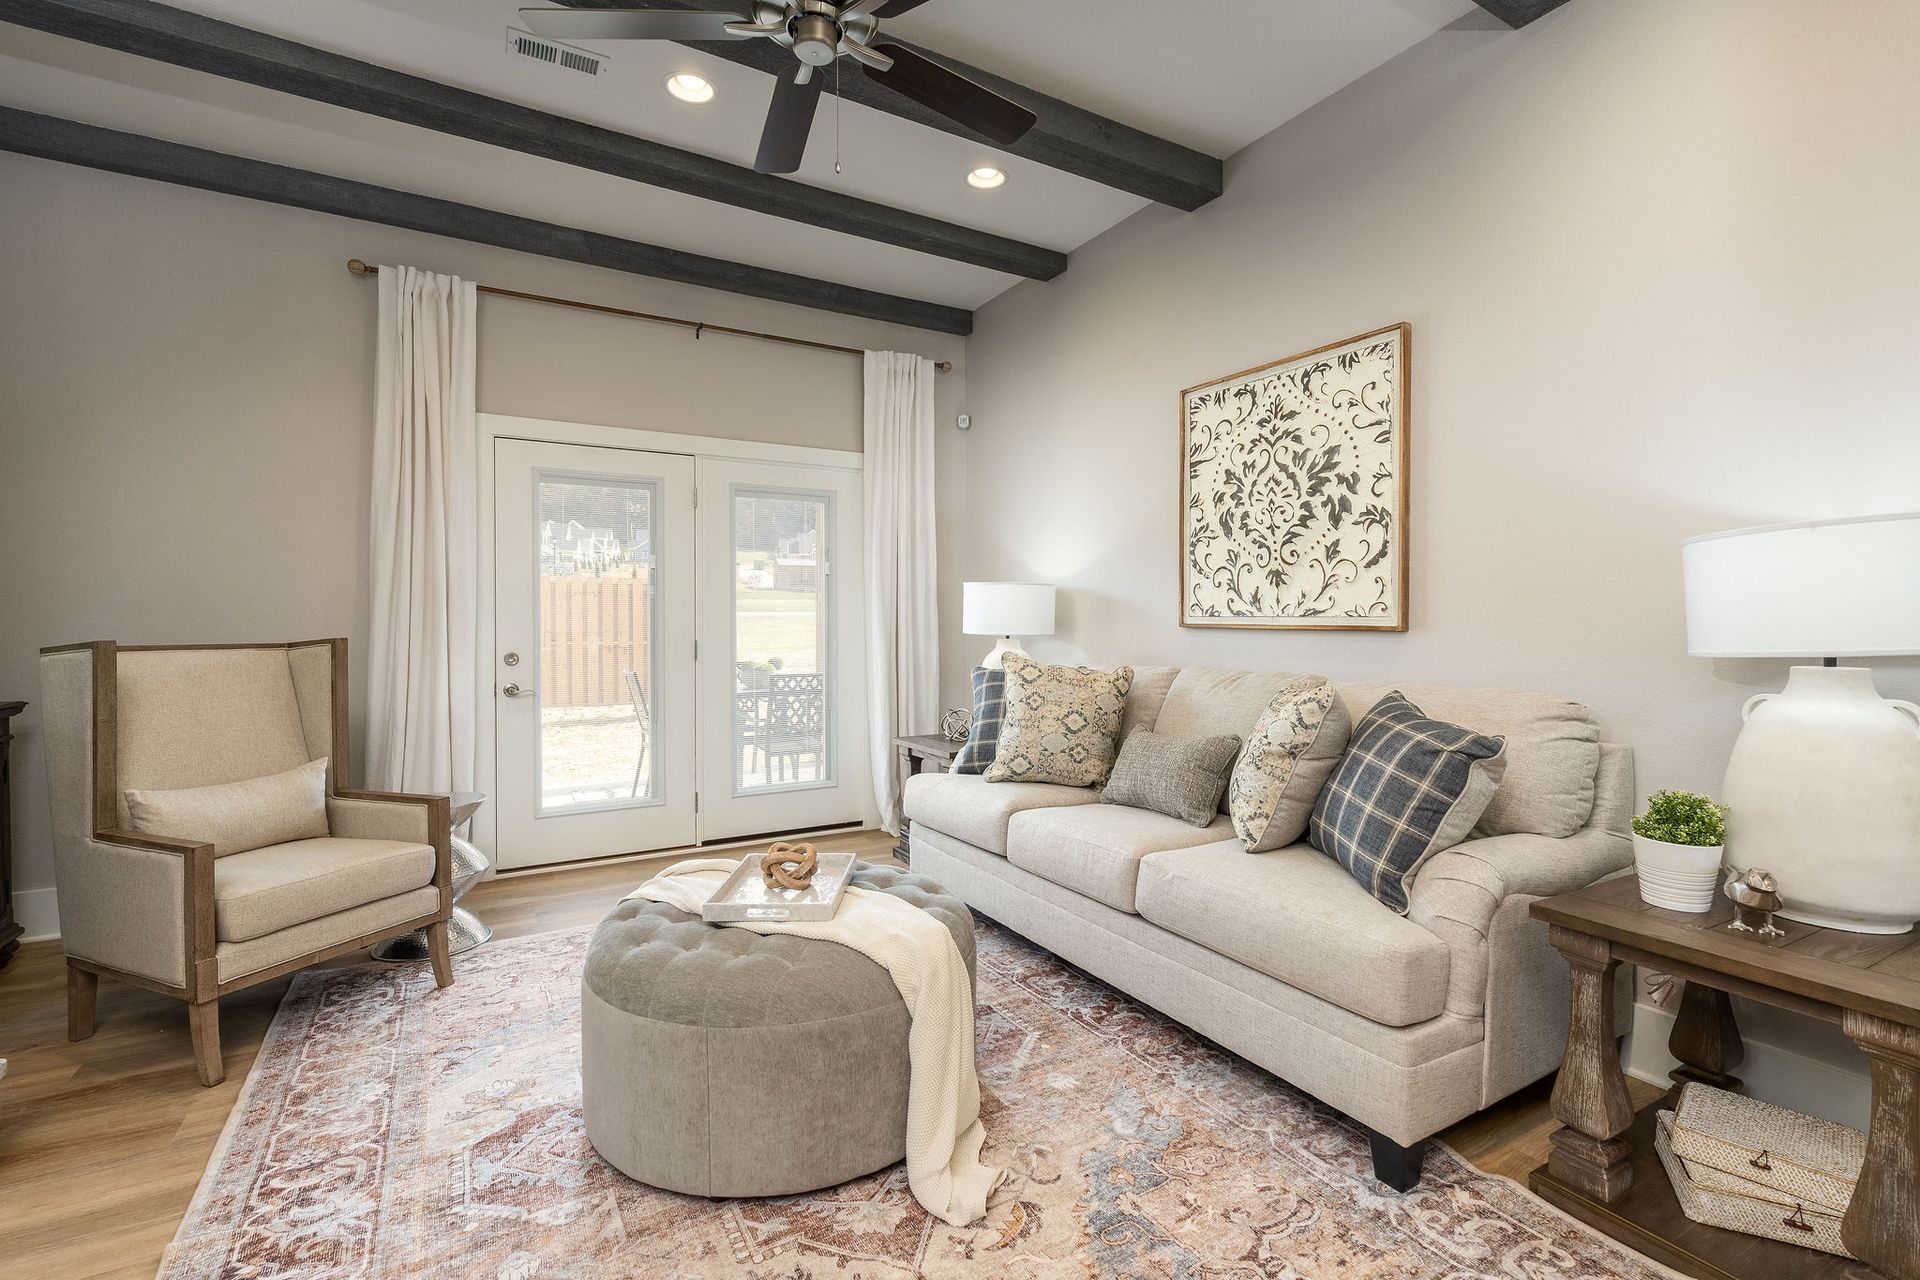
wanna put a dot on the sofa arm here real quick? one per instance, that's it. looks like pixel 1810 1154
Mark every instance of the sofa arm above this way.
pixel 134 902
pixel 1457 893
pixel 395 815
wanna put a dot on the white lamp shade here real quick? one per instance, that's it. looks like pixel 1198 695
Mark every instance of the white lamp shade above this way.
pixel 1822 589
pixel 1006 608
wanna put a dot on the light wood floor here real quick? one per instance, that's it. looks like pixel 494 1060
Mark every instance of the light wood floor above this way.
pixel 102 1143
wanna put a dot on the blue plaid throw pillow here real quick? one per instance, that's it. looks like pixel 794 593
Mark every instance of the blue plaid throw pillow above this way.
pixel 989 709
pixel 1407 788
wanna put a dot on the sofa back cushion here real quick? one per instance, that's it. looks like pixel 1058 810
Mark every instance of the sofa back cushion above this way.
pixel 1552 756
pixel 1144 700
pixel 1209 700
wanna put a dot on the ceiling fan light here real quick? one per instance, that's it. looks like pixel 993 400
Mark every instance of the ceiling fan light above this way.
pixel 986 177
pixel 688 87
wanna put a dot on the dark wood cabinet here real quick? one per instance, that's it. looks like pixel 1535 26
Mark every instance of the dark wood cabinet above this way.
pixel 9 927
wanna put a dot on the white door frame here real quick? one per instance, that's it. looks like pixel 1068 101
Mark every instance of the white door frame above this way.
pixel 497 426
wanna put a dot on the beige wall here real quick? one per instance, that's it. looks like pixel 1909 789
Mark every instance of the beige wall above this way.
pixel 185 410
pixel 1660 263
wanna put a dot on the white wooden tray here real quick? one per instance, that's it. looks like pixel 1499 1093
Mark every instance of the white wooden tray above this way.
pixel 745 895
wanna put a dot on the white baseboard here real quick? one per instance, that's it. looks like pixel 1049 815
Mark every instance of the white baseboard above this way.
pixel 1772 1072
pixel 38 913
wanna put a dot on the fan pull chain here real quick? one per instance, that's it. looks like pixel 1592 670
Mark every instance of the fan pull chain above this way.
pixel 836 115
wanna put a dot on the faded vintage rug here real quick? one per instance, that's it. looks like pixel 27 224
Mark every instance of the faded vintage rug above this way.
pixel 389 1129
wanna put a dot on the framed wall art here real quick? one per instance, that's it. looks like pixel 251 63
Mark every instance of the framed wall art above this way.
pixel 1293 491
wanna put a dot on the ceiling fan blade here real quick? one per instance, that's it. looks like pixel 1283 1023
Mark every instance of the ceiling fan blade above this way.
pixel 629 24
pixel 880 8
pixel 953 95
pixel 783 141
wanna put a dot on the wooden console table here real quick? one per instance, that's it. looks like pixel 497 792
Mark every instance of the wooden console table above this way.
pixel 1603 1169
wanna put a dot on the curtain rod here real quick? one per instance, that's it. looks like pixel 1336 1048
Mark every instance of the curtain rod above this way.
pixel 359 268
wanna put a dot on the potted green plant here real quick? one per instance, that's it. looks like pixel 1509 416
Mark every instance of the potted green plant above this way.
pixel 1677 846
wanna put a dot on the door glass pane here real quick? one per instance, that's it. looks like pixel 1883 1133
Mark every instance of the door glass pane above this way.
pixel 780 640
pixel 597 601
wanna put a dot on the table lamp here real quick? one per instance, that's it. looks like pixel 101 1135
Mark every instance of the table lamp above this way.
pixel 1823 787
pixel 1006 610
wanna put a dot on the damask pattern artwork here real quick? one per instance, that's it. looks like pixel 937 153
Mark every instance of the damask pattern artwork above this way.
pixel 1293 491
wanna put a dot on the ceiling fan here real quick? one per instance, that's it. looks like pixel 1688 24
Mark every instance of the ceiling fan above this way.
pixel 818 32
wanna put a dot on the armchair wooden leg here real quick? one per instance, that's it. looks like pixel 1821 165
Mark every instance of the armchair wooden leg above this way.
pixel 83 989
pixel 437 952
pixel 204 1019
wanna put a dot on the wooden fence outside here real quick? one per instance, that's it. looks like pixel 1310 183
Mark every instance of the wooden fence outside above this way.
pixel 592 632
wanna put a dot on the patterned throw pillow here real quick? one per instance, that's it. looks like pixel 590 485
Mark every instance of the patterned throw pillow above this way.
pixel 1062 723
pixel 989 706
pixel 1180 777
pixel 1407 788
pixel 1289 756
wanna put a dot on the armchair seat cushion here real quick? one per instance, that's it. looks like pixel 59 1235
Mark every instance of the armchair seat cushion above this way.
pixel 266 890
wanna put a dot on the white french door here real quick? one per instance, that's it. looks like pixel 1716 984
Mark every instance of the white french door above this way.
pixel 593 660
pixel 677 650
pixel 782 701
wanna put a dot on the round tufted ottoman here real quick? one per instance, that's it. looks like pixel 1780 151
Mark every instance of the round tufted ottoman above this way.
pixel 716 1061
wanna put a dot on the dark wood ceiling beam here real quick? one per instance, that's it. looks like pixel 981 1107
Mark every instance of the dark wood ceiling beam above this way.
pixel 191 40
pixel 1068 138
pixel 1518 13
pixel 52 138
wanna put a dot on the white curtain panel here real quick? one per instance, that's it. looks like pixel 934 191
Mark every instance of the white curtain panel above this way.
pixel 425 545
pixel 903 612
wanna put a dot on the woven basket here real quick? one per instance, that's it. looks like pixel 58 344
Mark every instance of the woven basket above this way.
pixel 1807 1161
pixel 1727 1200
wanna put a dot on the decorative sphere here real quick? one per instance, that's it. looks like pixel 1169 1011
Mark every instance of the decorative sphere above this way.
pixel 956 725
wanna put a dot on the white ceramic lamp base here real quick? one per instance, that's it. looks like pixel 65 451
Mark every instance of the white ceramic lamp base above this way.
pixel 997 659
pixel 1823 790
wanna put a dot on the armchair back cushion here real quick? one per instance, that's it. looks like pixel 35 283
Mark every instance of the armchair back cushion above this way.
pixel 201 717
pixel 237 816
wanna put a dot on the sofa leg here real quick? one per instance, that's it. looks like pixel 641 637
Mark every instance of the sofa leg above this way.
pixel 1395 1165
pixel 204 1019
pixel 83 990
pixel 437 952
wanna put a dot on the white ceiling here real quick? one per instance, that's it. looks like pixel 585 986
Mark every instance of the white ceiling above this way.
pixel 1214 86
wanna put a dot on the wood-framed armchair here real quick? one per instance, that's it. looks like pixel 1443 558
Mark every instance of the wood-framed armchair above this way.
pixel 162 911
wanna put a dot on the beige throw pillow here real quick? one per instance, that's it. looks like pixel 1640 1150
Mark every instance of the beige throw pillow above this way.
pixel 237 816
pixel 1292 751
pixel 1062 723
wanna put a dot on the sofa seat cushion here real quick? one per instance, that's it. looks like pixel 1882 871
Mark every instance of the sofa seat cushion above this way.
pixel 1097 850
pixel 265 890
pixel 1295 914
pixel 968 807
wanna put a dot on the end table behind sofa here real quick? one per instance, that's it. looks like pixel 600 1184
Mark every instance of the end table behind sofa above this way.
pixel 920 750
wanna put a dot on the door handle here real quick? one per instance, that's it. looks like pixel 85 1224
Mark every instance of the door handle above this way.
pixel 515 691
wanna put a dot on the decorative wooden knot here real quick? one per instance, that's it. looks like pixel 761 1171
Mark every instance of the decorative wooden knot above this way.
pixel 788 866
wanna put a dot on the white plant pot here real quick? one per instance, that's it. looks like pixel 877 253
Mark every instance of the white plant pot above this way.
pixel 1679 877
pixel 1823 790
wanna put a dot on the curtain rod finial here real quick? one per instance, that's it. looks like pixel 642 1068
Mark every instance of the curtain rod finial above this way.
pixel 360 268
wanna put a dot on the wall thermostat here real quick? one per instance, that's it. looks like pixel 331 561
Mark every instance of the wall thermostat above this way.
pixel 964 421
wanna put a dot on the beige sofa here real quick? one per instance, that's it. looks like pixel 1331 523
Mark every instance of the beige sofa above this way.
pixel 1406 1023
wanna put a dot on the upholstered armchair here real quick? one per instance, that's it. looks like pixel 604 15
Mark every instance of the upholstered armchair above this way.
pixel 159 909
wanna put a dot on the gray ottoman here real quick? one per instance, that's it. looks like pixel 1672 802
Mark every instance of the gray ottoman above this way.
pixel 719 1062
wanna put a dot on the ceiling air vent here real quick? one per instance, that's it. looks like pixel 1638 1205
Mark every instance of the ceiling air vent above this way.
pixel 553 53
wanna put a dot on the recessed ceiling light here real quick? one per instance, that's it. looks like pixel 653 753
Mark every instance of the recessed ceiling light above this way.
pixel 689 87
pixel 986 177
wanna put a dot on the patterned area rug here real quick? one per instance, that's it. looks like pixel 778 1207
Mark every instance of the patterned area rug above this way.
pixel 389 1130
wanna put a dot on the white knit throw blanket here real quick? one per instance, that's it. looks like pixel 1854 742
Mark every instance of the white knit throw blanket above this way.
pixel 944 1134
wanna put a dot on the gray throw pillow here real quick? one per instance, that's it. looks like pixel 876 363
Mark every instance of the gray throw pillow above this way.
pixel 1180 777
